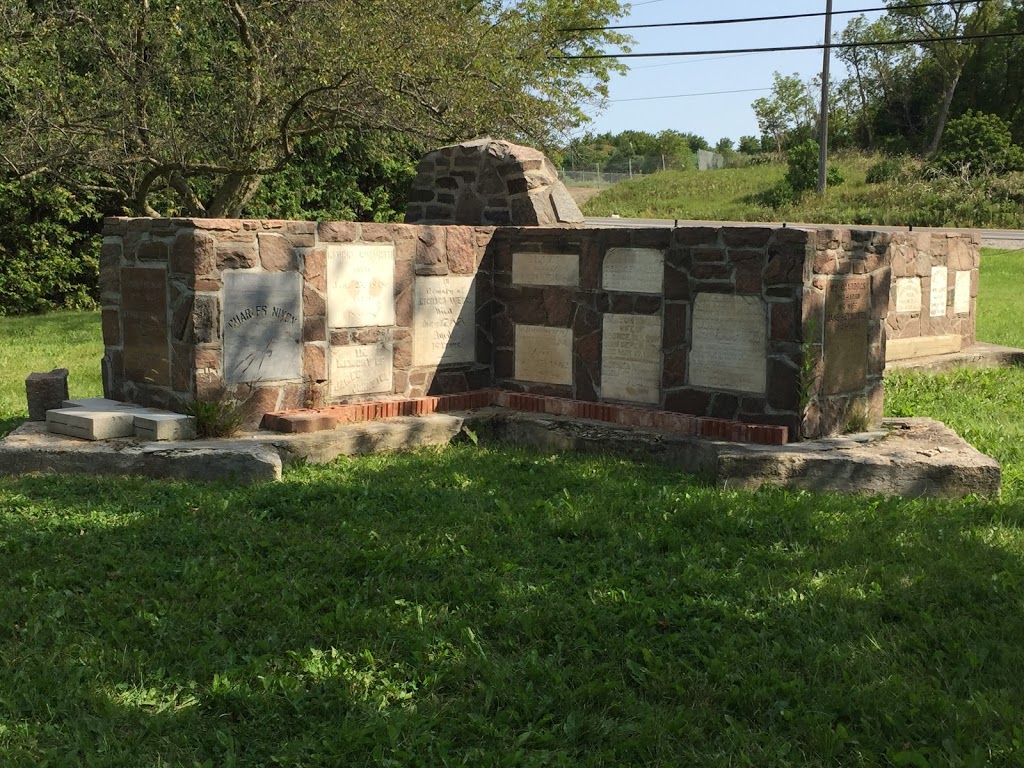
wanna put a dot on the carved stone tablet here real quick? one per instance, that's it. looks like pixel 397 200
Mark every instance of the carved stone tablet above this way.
pixel 360 285
pixel 730 341
pixel 846 335
pixel 361 369
pixel 962 293
pixel 144 316
pixel 631 358
pixel 544 354
pixel 262 326
pixel 940 291
pixel 546 269
pixel 634 270
pixel 908 294
pixel 444 321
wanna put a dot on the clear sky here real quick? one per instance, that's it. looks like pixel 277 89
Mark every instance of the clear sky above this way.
pixel 714 116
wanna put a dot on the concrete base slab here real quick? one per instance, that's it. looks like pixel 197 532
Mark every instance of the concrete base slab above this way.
pixel 90 425
pixel 981 355
pixel 165 426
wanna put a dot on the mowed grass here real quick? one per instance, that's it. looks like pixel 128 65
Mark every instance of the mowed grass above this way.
pixel 496 607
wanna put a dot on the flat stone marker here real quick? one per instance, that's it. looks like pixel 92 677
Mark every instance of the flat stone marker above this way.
pixel 360 285
pixel 45 391
pixel 846 335
pixel 940 291
pixel 962 293
pixel 633 270
pixel 262 327
pixel 631 358
pixel 908 294
pixel 729 345
pixel 543 354
pixel 361 369
pixel 147 355
pixel 444 320
pixel 546 269
pixel 165 426
pixel 90 425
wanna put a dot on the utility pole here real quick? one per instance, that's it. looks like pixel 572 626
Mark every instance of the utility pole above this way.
pixel 823 120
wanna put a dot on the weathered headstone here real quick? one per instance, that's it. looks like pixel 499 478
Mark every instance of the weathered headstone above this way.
pixel 729 343
pixel 633 270
pixel 361 369
pixel 546 269
pixel 631 358
pixel 846 335
pixel 360 285
pixel 908 294
pixel 962 293
pixel 444 320
pixel 262 327
pixel 45 391
pixel 543 354
pixel 940 291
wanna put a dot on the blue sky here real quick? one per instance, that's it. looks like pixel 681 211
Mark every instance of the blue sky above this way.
pixel 719 115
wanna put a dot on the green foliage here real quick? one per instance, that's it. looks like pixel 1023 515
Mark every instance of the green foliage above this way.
pixel 749 145
pixel 802 171
pixel 886 169
pixel 637 150
pixel 977 143
pixel 219 416
pixel 49 248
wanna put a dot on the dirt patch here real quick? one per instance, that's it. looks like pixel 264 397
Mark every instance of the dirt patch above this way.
pixel 582 194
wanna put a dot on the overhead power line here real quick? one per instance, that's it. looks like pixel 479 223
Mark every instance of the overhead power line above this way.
pixel 753 19
pixel 684 95
pixel 783 48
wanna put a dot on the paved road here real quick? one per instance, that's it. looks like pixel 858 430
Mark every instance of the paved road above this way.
pixel 1010 239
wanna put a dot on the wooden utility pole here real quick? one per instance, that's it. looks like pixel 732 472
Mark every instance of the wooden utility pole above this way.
pixel 823 120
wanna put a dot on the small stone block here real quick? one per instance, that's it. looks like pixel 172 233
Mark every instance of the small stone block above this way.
pixel 45 391
pixel 90 425
pixel 165 426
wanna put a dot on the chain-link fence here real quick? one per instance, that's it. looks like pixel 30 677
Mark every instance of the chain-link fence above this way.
pixel 622 169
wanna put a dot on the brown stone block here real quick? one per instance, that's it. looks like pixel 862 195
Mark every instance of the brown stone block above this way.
pixel 826 262
pixel 314 269
pixel 110 271
pixel 313 302
pixel 430 251
pixel 690 236
pixel 675 325
pixel 748 278
pixel 674 373
pixel 340 337
pixel 557 306
pixel 207 358
pixel 707 255
pixel 587 349
pixel 314 363
pixel 653 237
pixel 677 284
pixel 716 272
pixel 622 304
pixel 590 265
pixel 207 286
pixel 144 290
pixel 206 319
pixel 693 401
pixel 461 252
pixel 403 354
pixel 137 230
pixel 111 320
pixel 724 406
pixel 376 233
pixel 152 250
pixel 404 305
pixel 783 391
pixel 337 231
pixel 747 237
pixel 45 391
pixel 585 320
pixel 276 253
pixel 220 225
pixel 181 318
pixel 784 267
pixel 314 328
pixel 236 256
pixel 183 359
pixel 368 336
pixel 783 321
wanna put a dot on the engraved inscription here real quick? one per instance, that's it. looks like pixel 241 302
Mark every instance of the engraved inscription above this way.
pixel 729 345
pixel 634 270
pixel 940 291
pixel 444 320
pixel 631 358
pixel 361 370
pixel 908 294
pixel 262 327
pixel 846 335
pixel 962 293
pixel 546 269
pixel 360 285
pixel 544 354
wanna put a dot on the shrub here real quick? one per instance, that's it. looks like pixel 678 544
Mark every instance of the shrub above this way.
pixel 887 169
pixel 802 173
pixel 978 142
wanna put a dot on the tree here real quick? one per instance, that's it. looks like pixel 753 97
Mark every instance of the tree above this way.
pixel 749 145
pixel 182 106
pixel 788 114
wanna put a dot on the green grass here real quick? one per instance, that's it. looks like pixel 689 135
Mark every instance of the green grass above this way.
pixel 734 194
pixel 1001 285
pixel 71 340
pixel 487 607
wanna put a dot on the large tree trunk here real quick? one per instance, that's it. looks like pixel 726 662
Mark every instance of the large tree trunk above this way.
pixel 943 116
pixel 235 191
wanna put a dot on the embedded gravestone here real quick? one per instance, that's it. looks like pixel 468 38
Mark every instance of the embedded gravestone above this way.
pixel 908 294
pixel 631 358
pixel 846 335
pixel 147 356
pixel 360 285
pixel 361 369
pixel 940 291
pixel 962 293
pixel 729 346
pixel 543 354
pixel 262 327
pixel 546 269
pixel 444 321
pixel 633 270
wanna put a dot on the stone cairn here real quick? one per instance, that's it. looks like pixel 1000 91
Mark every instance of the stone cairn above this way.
pixel 488 182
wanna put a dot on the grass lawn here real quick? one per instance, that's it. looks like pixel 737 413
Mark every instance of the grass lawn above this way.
pixel 487 607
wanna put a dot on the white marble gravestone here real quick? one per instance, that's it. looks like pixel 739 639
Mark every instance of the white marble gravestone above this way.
pixel 546 269
pixel 262 324
pixel 962 293
pixel 729 344
pixel 360 285
pixel 633 270
pixel 543 354
pixel 940 292
pixel 444 320
pixel 361 369
pixel 631 358
pixel 908 294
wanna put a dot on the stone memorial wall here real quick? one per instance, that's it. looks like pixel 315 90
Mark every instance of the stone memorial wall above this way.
pixel 757 324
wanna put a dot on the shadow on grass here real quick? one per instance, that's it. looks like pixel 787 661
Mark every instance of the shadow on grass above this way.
pixel 8 425
pixel 502 608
